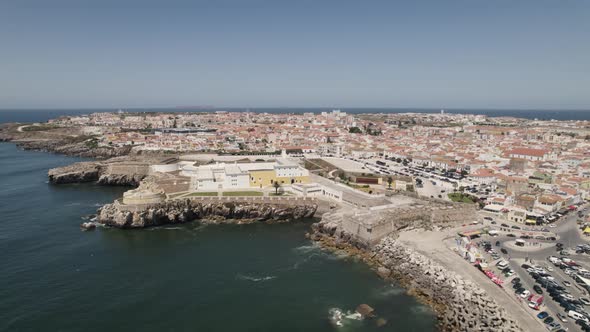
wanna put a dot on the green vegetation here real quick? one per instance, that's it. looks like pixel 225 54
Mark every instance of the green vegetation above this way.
pixel 41 127
pixel 462 198
pixel 91 143
pixel 242 193
pixel 203 194
pixel 355 130
pixel 280 194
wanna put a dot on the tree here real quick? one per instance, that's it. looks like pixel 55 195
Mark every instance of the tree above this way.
pixel 389 181
pixel 277 185
pixel 354 130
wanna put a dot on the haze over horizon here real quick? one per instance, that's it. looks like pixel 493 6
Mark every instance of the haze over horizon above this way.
pixel 420 54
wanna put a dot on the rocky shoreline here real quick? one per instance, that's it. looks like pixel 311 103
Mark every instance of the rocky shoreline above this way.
pixel 71 141
pixel 95 171
pixel 187 210
pixel 460 305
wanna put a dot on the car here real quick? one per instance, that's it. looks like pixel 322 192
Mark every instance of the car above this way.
pixel 553 326
pixel 504 225
pixel 525 294
pixel 517 285
pixel 515 227
pixel 548 320
pixel 504 251
pixel 497 243
pixel 542 315
pixel 567 283
pixel 577 316
pixel 515 280
pixel 537 289
pixel 562 318
pixel 493 222
pixel 510 235
pixel 525 266
pixel 585 301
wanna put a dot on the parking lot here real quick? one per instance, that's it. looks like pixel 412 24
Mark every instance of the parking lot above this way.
pixel 557 271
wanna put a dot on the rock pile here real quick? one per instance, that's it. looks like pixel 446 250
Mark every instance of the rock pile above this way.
pixel 465 306
pixel 459 304
pixel 182 211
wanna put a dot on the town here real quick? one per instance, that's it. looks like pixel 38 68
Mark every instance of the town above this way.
pixel 506 198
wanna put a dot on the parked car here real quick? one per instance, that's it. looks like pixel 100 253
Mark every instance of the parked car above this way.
pixel 542 315
pixel 537 289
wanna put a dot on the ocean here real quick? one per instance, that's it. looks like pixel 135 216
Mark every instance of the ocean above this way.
pixel 7 115
pixel 182 278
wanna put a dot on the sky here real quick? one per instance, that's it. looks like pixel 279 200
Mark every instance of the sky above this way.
pixel 530 54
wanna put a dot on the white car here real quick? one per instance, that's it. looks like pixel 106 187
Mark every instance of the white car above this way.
pixel 525 294
pixel 585 301
pixel 577 315
pixel 553 225
pixel 567 296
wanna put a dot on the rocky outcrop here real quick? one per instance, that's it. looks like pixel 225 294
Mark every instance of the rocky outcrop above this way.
pixel 459 304
pixel 182 211
pixel 72 141
pixel 78 149
pixel 112 179
pixel 102 172
pixel 75 173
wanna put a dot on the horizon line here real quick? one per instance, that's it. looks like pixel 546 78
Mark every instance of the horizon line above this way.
pixel 246 108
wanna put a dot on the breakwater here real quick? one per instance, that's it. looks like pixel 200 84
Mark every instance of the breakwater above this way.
pixel 460 304
pixel 235 211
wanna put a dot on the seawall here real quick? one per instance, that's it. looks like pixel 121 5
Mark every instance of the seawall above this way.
pixel 460 304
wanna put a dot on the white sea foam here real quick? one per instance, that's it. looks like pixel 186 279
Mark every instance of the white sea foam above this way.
pixel 307 248
pixel 420 310
pixel 255 279
pixel 339 318
pixel 392 291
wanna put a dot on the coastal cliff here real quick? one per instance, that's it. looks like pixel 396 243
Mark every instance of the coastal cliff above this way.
pixel 460 304
pixel 186 210
pixel 121 171
pixel 71 141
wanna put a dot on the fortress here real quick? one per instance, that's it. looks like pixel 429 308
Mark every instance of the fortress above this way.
pixel 367 226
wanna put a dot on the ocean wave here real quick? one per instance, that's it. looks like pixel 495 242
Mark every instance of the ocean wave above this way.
pixel 255 279
pixel 307 248
pixel 73 204
pixel 339 318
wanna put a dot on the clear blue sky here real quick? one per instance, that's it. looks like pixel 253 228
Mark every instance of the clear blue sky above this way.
pixel 414 53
